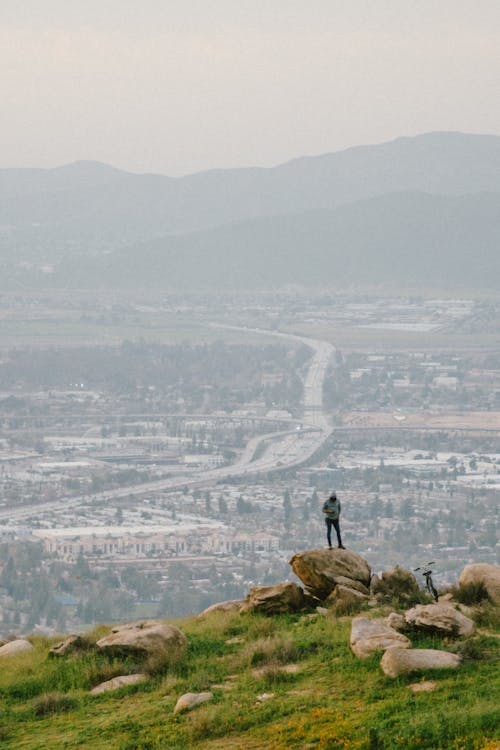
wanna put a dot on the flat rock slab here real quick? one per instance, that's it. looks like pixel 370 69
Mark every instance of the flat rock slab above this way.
pixel 13 648
pixel 485 573
pixel 440 618
pixel 369 636
pixel 189 701
pixel 118 682
pixel 147 637
pixel 320 569
pixel 398 661
pixel 275 600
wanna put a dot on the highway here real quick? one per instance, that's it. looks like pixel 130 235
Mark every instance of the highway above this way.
pixel 280 450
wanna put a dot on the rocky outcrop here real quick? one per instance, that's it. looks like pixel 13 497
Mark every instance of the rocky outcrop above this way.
pixel 369 636
pixel 231 605
pixel 398 661
pixel 149 638
pixel 190 700
pixel 13 648
pixel 274 600
pixel 483 573
pixel 397 583
pixel 118 682
pixel 441 618
pixel 320 570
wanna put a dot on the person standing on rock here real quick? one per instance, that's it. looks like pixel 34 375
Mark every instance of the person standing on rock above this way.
pixel 331 509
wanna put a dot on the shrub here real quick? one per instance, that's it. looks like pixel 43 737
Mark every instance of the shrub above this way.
pixel 280 649
pixel 471 593
pixel 53 703
pixel 347 607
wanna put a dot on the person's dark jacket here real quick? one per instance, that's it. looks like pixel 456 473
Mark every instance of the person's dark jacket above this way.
pixel 331 508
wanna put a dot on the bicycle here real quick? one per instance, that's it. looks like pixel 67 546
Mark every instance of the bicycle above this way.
pixel 427 574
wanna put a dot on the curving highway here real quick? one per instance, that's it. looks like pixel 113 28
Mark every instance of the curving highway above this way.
pixel 278 451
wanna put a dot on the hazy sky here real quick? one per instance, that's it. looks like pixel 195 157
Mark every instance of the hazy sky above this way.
pixel 177 86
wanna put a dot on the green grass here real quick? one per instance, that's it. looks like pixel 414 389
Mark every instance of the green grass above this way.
pixel 332 700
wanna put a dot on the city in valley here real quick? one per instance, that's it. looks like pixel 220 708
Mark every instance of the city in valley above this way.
pixel 159 453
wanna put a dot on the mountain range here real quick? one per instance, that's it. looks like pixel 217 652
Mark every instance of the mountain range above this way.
pixel 421 210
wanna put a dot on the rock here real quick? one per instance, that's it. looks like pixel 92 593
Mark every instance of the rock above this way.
pixel 368 636
pixel 234 641
pixel 70 645
pixel 274 600
pixel 322 611
pixel 149 637
pixel 439 618
pixel 350 583
pixel 396 622
pixel 397 661
pixel 423 687
pixel 18 646
pixel 118 682
pixel 190 700
pixel 319 569
pixel 397 583
pixel 232 605
pixel 264 697
pixel 485 573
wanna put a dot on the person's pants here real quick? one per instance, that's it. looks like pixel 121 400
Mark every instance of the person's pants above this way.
pixel 335 523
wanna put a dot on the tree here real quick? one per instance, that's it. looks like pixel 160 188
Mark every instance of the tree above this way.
pixel 287 508
pixel 208 504
pixel 222 505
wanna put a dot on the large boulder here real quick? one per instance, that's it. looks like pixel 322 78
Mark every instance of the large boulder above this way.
pixel 274 600
pixel 13 648
pixel 319 570
pixel 441 618
pixel 397 583
pixel 483 573
pixel 118 682
pixel 398 661
pixel 148 638
pixel 231 605
pixel 368 636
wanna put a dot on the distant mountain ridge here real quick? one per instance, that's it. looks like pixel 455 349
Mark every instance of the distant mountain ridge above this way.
pixel 90 218
pixel 402 238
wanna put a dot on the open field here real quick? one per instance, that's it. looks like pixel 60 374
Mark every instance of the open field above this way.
pixel 70 331
pixel 370 339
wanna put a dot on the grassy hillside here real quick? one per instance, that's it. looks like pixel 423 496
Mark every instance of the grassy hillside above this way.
pixel 402 239
pixel 327 699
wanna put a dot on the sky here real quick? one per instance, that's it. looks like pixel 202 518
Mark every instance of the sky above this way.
pixel 179 86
